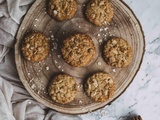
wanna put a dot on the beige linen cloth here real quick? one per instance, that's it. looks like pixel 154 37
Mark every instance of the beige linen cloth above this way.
pixel 15 102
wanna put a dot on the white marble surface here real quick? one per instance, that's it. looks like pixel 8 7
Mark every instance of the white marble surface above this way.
pixel 143 95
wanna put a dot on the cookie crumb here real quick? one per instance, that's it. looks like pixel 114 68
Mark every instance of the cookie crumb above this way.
pixel 59 56
pixel 33 86
pixel 59 66
pixel 99 63
pixel 38 92
pixel 36 19
pixel 105 28
pixel 80 101
pixel 55 12
pixel 55 61
pixel 47 68
pixel 114 70
pixel 100 40
pixel 100 29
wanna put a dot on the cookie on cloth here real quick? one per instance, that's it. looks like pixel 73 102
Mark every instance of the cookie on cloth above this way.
pixel 63 88
pixel 62 9
pixel 100 87
pixel 35 47
pixel 78 50
pixel 117 52
pixel 99 12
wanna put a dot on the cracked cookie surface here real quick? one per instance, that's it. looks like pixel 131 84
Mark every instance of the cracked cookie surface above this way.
pixel 62 9
pixel 100 87
pixel 35 47
pixel 63 88
pixel 99 12
pixel 117 52
pixel 78 50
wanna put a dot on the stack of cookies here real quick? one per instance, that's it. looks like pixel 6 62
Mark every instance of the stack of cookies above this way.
pixel 78 50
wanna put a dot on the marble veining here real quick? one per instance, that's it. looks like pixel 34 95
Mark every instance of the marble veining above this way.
pixel 143 95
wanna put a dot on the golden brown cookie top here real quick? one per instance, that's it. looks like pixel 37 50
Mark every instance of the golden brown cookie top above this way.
pixel 100 87
pixel 63 88
pixel 117 52
pixel 78 50
pixel 62 9
pixel 99 12
pixel 35 47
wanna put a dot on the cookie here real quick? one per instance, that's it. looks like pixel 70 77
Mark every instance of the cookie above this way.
pixel 78 50
pixel 63 88
pixel 137 118
pixel 99 12
pixel 35 47
pixel 62 9
pixel 100 87
pixel 117 52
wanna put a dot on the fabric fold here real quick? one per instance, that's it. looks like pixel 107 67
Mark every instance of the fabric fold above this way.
pixel 28 110
pixel 20 6
pixel 15 101
pixel 6 112
pixel 3 51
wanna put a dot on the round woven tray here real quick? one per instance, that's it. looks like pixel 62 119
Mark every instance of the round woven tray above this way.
pixel 37 76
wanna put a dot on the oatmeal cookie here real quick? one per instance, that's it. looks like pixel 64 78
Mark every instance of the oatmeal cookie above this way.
pixel 35 47
pixel 117 52
pixel 100 87
pixel 78 50
pixel 99 12
pixel 62 9
pixel 63 88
